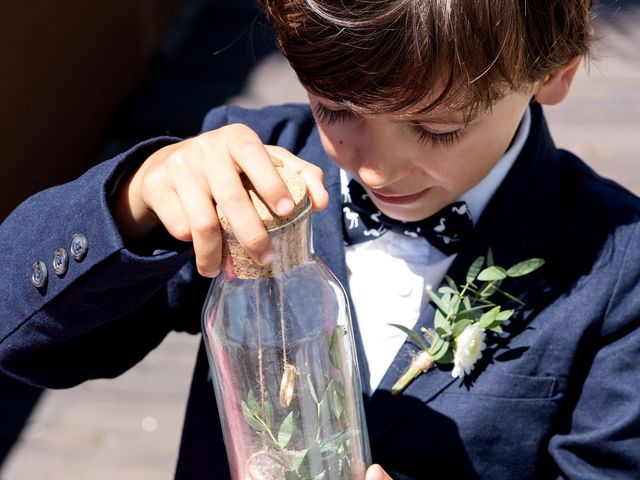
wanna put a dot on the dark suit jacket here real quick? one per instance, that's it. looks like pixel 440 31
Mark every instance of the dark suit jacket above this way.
pixel 558 396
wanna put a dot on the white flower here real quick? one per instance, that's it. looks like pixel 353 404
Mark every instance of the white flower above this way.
pixel 469 346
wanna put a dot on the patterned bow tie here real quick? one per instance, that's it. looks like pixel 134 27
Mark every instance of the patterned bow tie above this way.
pixel 362 221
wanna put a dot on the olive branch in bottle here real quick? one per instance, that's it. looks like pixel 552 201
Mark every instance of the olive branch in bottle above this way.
pixel 259 415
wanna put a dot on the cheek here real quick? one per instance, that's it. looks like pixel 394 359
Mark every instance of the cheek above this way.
pixel 461 166
pixel 479 160
pixel 335 145
pixel 329 145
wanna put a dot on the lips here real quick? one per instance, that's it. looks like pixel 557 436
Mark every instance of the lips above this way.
pixel 398 199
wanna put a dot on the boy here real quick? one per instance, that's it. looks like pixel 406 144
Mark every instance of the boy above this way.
pixel 421 103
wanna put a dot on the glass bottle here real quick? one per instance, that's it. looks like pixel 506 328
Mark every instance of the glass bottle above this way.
pixel 283 360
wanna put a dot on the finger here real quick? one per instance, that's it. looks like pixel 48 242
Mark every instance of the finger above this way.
pixel 166 205
pixel 311 175
pixel 195 198
pixel 231 197
pixel 375 472
pixel 247 151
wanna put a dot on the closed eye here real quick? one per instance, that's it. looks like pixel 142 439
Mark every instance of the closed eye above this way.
pixel 438 140
pixel 329 117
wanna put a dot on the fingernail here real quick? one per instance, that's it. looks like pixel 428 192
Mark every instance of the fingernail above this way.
pixel 284 206
pixel 208 274
pixel 267 258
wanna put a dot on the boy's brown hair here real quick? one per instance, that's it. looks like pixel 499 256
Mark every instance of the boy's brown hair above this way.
pixel 376 56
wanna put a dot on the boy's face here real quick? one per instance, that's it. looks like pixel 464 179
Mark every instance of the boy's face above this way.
pixel 412 166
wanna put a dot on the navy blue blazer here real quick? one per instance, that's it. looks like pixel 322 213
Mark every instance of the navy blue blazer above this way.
pixel 557 397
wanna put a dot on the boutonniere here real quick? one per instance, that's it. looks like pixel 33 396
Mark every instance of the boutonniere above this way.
pixel 466 317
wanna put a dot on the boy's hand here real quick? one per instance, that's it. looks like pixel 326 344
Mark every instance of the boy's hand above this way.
pixel 179 186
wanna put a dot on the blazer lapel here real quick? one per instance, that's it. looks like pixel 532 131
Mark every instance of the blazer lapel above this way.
pixel 328 242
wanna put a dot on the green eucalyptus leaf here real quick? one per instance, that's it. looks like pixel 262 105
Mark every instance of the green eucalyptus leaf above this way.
pixel 443 332
pixel 304 470
pixel 328 390
pixel 452 284
pixel 438 319
pixel 438 357
pixel 437 301
pixel 337 405
pixel 439 348
pixel 333 399
pixel 525 267
pixel 474 269
pixel 487 319
pixel 460 325
pixel 332 442
pixel 268 411
pixel 312 390
pixel 436 345
pixel 298 458
pixel 414 336
pixel 324 411
pixel 492 273
pixel 252 403
pixel 496 328
pixel 253 420
pixel 447 357
pixel 286 430
pixel 472 310
pixel 446 289
pixel 493 325
pixel 504 315
pixel 466 302
pixel 335 346
pixel 446 300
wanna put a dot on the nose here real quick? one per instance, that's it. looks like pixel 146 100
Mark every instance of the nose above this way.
pixel 381 157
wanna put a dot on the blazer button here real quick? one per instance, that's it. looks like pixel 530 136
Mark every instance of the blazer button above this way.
pixel 79 246
pixel 39 274
pixel 60 261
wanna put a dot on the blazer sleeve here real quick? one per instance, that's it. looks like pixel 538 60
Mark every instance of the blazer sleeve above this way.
pixel 118 302
pixel 80 325
pixel 601 438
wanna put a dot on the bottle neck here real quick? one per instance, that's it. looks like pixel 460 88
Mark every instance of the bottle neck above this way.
pixel 291 242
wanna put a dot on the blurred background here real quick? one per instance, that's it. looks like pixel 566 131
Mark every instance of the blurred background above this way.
pixel 82 81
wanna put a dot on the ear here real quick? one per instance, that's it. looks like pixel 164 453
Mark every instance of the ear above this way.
pixel 556 85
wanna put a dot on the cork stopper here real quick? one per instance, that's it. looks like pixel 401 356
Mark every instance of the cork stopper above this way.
pixel 290 248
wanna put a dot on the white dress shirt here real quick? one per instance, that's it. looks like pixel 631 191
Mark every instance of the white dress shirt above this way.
pixel 389 275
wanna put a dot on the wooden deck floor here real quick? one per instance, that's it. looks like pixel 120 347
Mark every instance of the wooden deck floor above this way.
pixel 129 428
